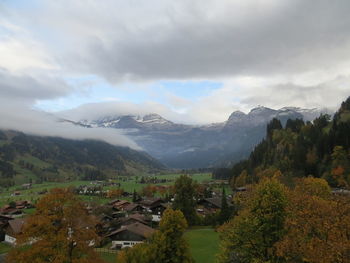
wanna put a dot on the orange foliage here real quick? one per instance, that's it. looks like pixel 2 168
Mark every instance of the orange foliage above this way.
pixel 317 229
pixel 113 193
pixel 61 230
pixel 149 190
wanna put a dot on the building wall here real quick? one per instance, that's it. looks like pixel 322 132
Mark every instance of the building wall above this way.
pixel 125 243
pixel 10 239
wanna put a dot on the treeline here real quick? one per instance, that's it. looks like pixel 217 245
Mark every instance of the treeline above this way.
pixel 319 148
pixel 277 224
pixel 67 159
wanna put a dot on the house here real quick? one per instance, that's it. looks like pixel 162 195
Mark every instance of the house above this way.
pixel 159 208
pixel 24 204
pixel 120 206
pixel 11 211
pixel 130 235
pixel 211 203
pixel 113 202
pixel 26 186
pixel 130 208
pixel 13 228
pixel 134 218
pixel 151 202
pixel 3 223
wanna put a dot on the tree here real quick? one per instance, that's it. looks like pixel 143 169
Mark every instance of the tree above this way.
pixel 313 187
pixel 225 211
pixel 60 230
pixel 134 196
pixel 113 193
pixel 149 190
pixel 185 198
pixel 317 227
pixel 167 245
pixel 250 236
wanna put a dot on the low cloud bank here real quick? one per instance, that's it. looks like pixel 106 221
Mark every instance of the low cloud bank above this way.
pixel 15 117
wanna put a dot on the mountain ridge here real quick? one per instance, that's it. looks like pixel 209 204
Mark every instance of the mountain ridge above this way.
pixel 199 146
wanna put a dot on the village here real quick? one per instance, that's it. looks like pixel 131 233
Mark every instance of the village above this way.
pixel 126 218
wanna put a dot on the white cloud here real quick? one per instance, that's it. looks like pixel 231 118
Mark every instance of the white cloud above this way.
pixel 274 53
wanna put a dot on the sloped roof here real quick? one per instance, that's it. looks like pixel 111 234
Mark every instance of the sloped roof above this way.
pixel 215 201
pixel 151 201
pixel 17 225
pixel 131 206
pixel 136 228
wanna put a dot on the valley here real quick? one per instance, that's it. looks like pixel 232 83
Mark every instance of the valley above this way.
pixel 200 146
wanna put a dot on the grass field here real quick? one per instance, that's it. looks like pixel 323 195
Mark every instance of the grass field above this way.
pixel 204 244
pixel 129 184
pixel 109 257
pixel 4 248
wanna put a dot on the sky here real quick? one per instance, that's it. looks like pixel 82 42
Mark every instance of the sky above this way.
pixel 190 61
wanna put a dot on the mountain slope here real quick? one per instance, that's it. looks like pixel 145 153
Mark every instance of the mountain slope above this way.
pixel 320 148
pixel 51 158
pixel 189 146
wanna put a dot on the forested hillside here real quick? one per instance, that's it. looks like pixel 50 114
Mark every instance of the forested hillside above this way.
pixel 25 158
pixel 319 148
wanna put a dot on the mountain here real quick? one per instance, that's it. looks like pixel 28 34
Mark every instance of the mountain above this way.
pixel 320 148
pixel 24 157
pixel 189 146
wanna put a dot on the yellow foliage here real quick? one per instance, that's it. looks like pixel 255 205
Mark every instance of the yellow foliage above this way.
pixel 61 230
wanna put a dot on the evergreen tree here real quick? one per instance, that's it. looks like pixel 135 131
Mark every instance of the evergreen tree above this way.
pixel 185 198
pixel 134 196
pixel 225 211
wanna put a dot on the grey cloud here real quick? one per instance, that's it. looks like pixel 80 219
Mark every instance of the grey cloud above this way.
pixel 327 94
pixel 190 39
pixel 31 88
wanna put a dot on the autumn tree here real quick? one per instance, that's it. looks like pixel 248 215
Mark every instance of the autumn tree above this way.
pixel 149 190
pixel 185 197
pixel 250 236
pixel 115 193
pixel 167 245
pixel 317 226
pixel 60 230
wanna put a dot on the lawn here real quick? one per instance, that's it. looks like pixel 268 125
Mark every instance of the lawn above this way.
pixel 128 184
pixel 4 248
pixel 204 244
pixel 109 257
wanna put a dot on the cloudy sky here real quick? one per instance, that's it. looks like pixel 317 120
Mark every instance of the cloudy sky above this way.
pixel 191 61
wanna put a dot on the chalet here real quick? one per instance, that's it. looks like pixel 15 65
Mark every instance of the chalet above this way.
pixel 3 223
pixel 151 202
pixel 119 205
pixel 113 202
pixel 340 191
pixel 210 203
pixel 158 208
pixel 13 228
pixel 118 214
pixel 26 186
pixel 130 235
pixel 11 211
pixel 130 208
pixel 24 204
pixel 134 218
